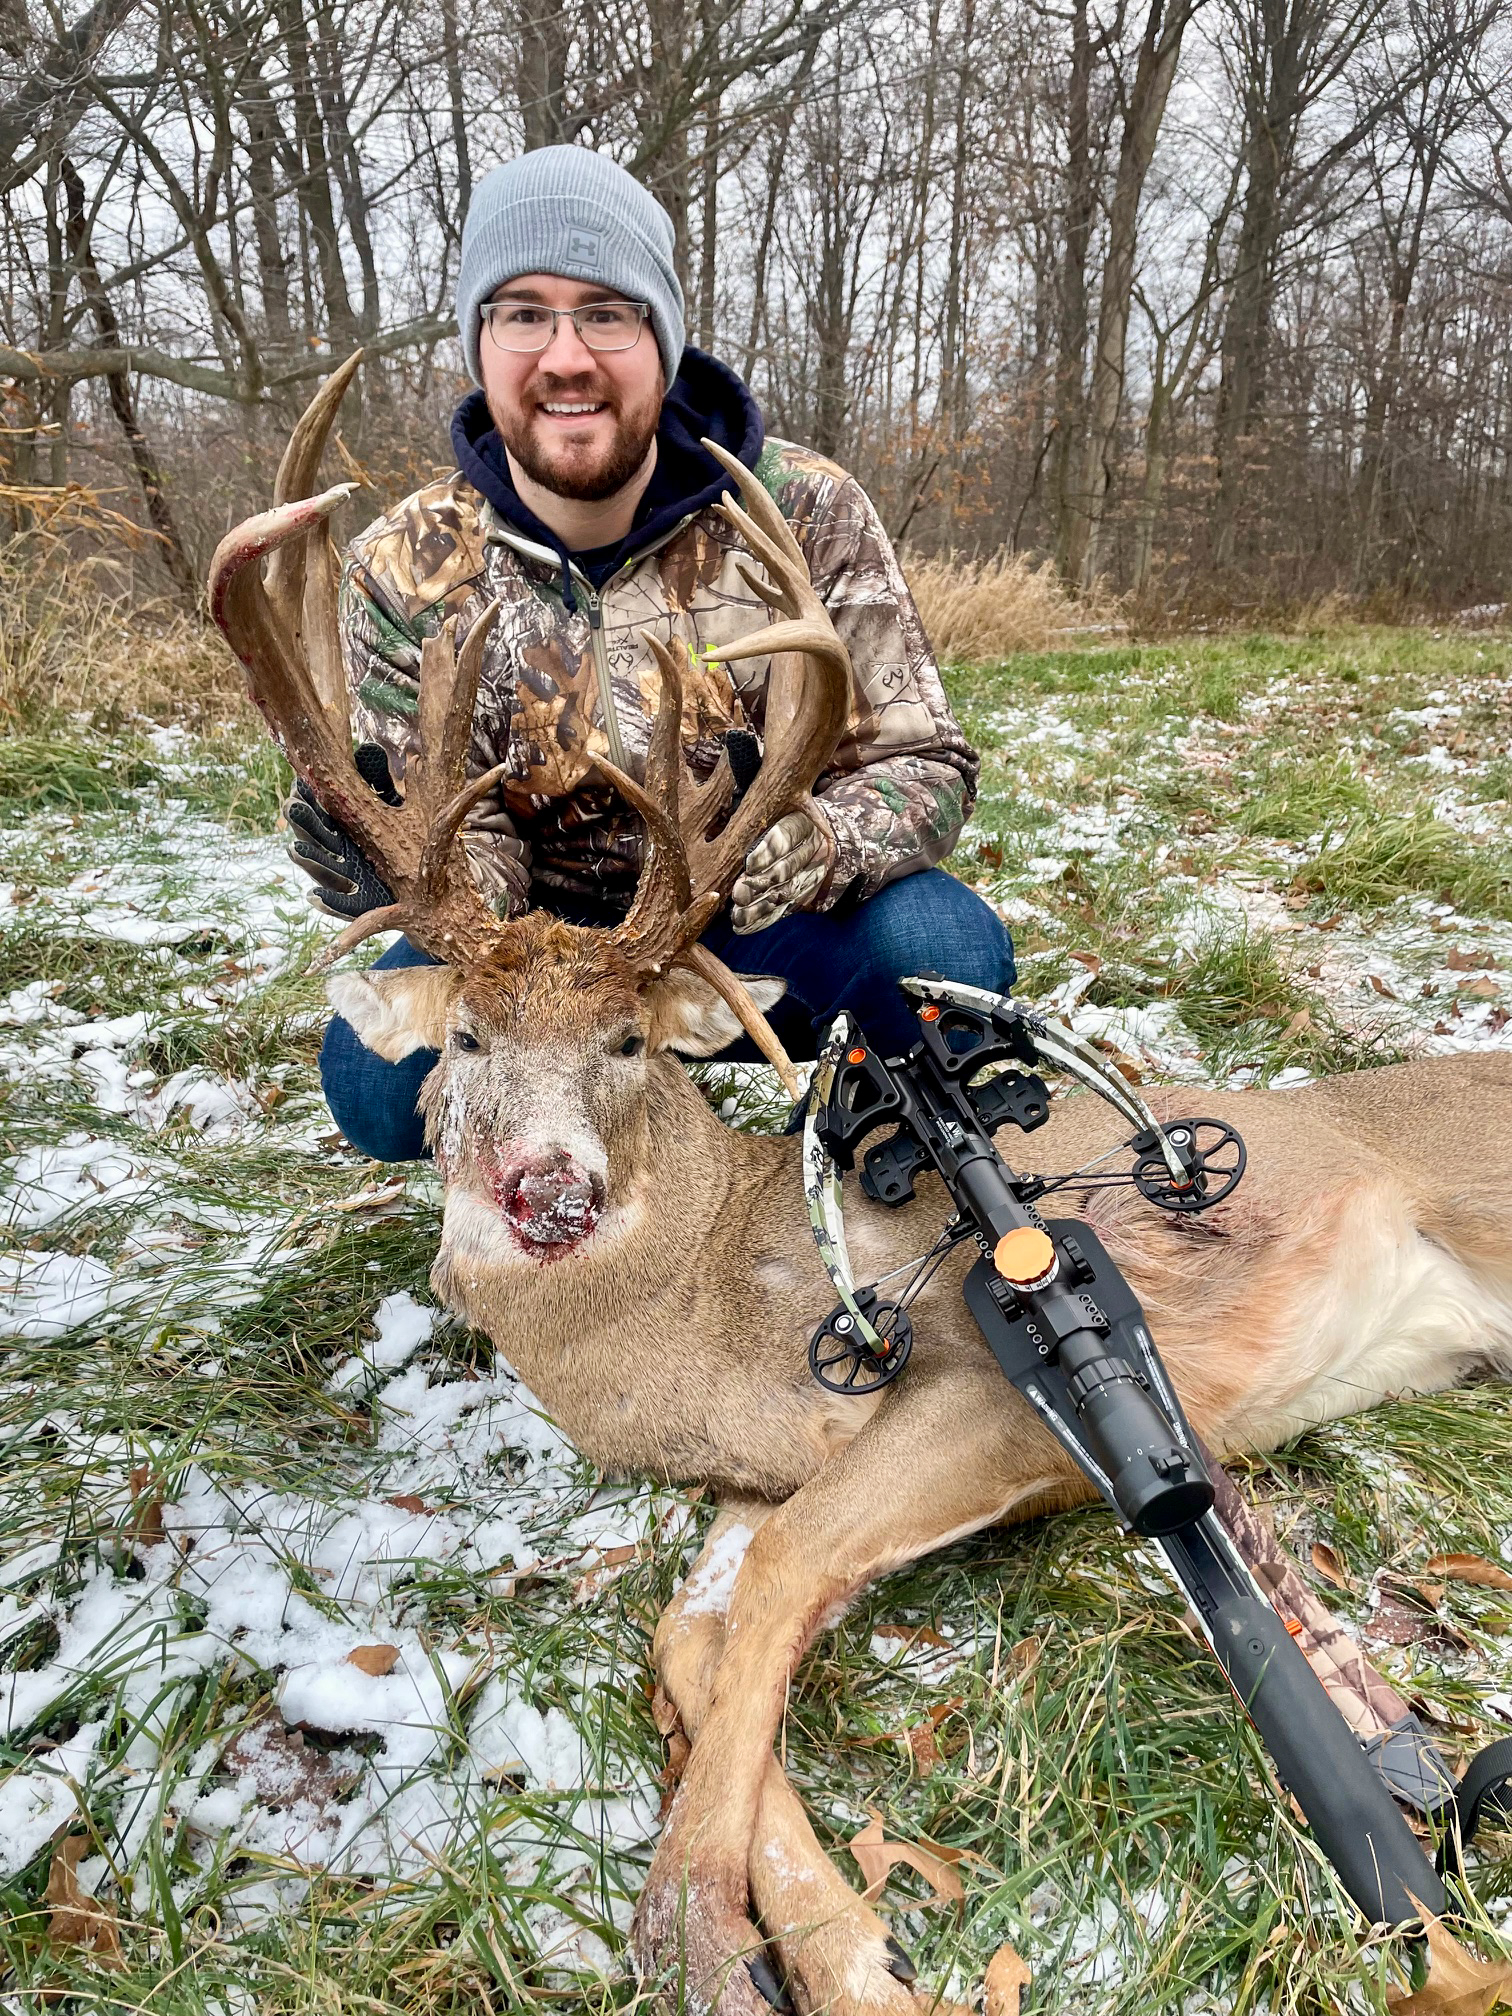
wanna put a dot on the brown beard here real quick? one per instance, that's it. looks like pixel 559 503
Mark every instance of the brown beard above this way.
pixel 633 434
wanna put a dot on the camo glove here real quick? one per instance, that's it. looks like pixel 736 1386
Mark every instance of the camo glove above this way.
pixel 346 884
pixel 785 871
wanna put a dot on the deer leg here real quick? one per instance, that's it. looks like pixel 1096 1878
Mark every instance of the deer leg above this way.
pixel 947 1453
pixel 836 1954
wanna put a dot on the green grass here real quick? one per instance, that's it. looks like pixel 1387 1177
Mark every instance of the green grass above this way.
pixel 1297 800
pixel 1376 858
pixel 37 770
pixel 1154 808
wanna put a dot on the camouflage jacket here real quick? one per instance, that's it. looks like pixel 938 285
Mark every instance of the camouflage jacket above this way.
pixel 561 687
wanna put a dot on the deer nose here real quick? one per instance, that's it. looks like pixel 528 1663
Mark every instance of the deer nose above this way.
pixel 549 1198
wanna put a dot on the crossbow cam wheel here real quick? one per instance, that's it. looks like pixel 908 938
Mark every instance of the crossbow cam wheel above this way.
pixel 843 1362
pixel 1215 1158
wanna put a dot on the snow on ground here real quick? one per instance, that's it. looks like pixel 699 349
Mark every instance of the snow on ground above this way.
pixel 373 1736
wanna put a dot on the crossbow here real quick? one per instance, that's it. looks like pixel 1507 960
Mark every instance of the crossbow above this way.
pixel 1068 1332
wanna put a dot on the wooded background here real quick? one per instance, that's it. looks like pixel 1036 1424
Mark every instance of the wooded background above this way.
pixel 1207 299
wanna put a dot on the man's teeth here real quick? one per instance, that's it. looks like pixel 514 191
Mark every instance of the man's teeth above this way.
pixel 561 406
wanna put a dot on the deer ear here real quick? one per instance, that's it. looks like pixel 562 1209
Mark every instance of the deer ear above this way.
pixel 689 1017
pixel 398 1011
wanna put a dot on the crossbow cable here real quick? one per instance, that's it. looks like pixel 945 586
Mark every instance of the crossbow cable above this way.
pixel 821 1186
pixel 1061 1047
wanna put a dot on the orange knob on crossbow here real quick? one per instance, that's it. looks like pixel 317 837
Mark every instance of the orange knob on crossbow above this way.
pixel 1025 1257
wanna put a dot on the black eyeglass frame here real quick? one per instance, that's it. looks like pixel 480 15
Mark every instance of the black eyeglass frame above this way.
pixel 642 308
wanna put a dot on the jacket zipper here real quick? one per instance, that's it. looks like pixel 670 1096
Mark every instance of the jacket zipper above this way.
pixel 595 606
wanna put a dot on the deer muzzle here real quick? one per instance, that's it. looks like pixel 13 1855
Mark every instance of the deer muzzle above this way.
pixel 551 1202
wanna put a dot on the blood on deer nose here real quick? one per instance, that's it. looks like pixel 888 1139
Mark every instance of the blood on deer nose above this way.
pixel 549 1199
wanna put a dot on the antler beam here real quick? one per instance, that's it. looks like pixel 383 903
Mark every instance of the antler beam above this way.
pixel 283 625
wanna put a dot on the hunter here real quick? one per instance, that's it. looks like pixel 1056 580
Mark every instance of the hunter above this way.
pixel 584 502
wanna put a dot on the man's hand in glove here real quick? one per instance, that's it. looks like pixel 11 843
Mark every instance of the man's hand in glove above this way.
pixel 784 870
pixel 346 885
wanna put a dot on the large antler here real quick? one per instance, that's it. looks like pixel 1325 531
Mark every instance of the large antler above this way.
pixel 687 876
pixel 284 628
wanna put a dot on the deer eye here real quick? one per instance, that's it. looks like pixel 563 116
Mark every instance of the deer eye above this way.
pixel 464 1039
pixel 632 1046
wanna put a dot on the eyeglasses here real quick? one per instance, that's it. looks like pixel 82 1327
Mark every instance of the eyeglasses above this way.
pixel 528 327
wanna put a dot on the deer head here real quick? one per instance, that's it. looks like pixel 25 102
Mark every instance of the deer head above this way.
pixel 550 1035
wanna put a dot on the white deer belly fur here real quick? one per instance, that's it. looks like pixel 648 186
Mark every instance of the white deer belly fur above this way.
pixel 1395 1313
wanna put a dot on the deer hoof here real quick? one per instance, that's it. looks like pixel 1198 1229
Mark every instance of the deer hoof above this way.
pixel 769 1983
pixel 900 1963
pixel 697 1948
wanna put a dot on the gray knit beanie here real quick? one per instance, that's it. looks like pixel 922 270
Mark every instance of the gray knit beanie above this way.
pixel 568 211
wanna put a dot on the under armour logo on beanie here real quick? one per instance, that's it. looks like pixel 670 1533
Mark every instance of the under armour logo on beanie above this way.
pixel 569 211
pixel 586 248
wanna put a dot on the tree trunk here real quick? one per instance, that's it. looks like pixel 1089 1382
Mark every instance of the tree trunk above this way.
pixel 1159 51
pixel 122 404
pixel 1068 448
pixel 542 85
pixel 708 207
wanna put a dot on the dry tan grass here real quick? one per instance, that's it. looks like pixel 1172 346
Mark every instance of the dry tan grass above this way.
pixel 73 639
pixel 983 610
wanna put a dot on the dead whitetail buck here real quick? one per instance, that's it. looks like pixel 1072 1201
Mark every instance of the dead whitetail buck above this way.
pixel 652 1274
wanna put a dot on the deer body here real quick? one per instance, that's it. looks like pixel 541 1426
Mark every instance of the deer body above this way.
pixel 674 1342
pixel 653 1277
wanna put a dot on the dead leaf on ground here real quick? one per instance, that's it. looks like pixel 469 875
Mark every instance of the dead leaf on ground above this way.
pixel 74 1917
pixel 410 1501
pixel 283 1768
pixel 1022 1659
pixel 664 1710
pixel 1299 1022
pixel 876 1855
pixel 1090 960
pixel 923 1748
pixel 914 1634
pixel 679 1749
pixel 1471 962
pixel 1480 990
pixel 1380 986
pixel 1472 1568
pixel 1330 1566
pixel 1458 1983
pixel 1007 1978
pixel 376 1660
pixel 377 1198
pixel 147 1506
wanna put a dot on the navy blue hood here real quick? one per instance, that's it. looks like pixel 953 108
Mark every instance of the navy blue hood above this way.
pixel 705 398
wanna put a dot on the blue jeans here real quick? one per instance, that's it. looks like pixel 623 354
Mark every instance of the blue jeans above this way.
pixel 852 958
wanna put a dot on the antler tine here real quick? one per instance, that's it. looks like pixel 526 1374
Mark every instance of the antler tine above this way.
pixel 808 694
pixel 651 931
pixel 297 473
pixel 315 738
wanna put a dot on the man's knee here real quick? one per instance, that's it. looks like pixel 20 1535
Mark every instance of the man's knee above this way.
pixel 373 1102
pixel 933 923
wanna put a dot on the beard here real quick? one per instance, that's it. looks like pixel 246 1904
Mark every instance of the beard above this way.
pixel 582 471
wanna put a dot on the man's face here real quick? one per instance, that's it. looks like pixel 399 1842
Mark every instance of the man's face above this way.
pixel 579 422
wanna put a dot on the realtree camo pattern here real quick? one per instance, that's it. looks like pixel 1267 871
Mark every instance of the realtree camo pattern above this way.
pixel 903 777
